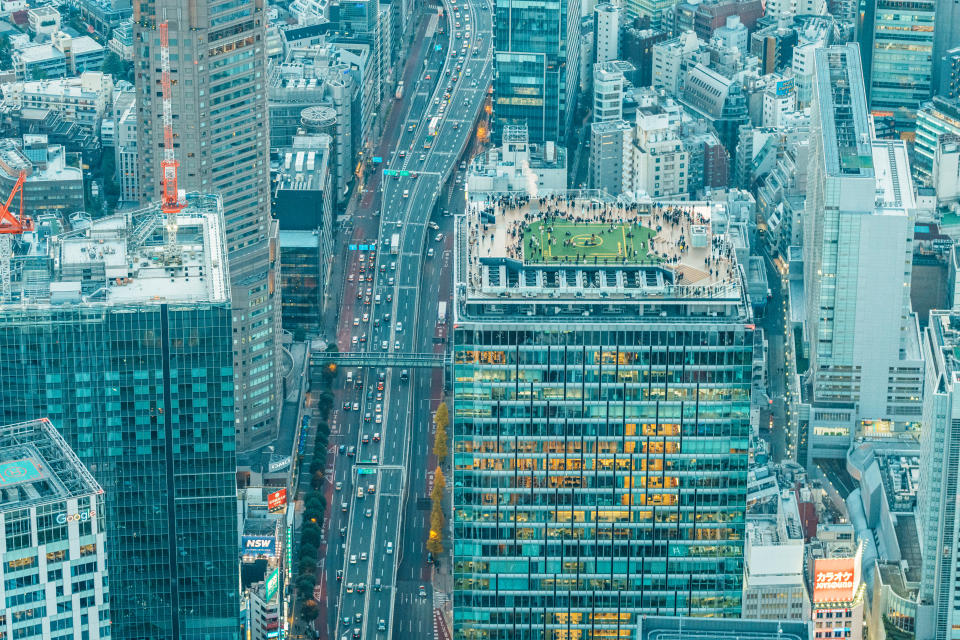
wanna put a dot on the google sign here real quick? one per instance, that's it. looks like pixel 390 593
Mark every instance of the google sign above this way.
pixel 64 518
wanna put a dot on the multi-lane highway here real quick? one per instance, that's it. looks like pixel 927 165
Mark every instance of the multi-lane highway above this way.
pixel 377 528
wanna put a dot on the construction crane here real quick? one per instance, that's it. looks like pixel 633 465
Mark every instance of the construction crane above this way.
pixel 11 225
pixel 170 203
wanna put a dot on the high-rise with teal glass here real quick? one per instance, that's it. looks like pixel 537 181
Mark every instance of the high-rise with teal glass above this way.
pixel 536 66
pixel 601 418
pixel 124 342
pixel 896 47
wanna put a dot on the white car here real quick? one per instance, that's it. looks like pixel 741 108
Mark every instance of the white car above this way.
pixel 353 558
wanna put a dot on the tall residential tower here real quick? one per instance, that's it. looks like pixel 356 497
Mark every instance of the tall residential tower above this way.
pixel 219 100
pixel 600 418
pixel 126 346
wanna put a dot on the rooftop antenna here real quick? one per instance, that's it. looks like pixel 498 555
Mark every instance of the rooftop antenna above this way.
pixel 170 203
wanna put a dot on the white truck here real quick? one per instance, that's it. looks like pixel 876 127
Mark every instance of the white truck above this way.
pixel 442 312
pixel 395 243
pixel 433 126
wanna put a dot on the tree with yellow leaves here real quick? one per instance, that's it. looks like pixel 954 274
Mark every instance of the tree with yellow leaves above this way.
pixel 439 484
pixel 437 522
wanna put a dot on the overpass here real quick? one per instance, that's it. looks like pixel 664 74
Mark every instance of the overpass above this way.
pixel 374 359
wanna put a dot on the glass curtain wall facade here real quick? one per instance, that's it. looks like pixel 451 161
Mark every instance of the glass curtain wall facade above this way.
pixel 536 60
pixel 143 393
pixel 218 71
pixel 599 475
pixel 896 44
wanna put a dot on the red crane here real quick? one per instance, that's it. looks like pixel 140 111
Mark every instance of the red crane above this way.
pixel 170 202
pixel 11 224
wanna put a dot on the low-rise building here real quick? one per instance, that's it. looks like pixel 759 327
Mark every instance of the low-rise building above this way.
pixel 53 181
pixel 518 166
pixel 53 574
pixel 838 593
pixel 303 268
pixel 121 40
pixel 718 99
pixel 263 607
pixel 126 154
pixel 935 118
pixel 609 141
pixel 104 15
pixel 732 35
pixel 657 162
pixel 64 55
pixel 773 578
pixel 43 21
pixel 83 100
pixel 672 58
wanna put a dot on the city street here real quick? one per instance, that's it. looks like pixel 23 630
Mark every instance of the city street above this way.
pixel 380 426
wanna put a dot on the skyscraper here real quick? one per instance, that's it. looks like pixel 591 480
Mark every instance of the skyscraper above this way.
pixel 53 561
pixel 946 37
pixel 127 348
pixel 940 461
pixel 858 223
pixel 896 47
pixel 218 72
pixel 601 419
pixel 536 66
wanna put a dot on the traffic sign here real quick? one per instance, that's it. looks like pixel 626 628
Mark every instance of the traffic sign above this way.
pixel 377 159
pixel 364 471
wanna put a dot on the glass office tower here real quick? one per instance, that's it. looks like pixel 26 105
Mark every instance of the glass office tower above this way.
pixel 600 426
pixel 896 45
pixel 125 344
pixel 536 66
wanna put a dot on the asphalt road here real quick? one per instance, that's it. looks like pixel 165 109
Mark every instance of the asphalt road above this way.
pixel 382 293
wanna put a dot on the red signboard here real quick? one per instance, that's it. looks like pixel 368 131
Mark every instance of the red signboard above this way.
pixel 277 501
pixel 835 579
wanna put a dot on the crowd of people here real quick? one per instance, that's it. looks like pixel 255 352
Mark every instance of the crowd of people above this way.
pixel 675 226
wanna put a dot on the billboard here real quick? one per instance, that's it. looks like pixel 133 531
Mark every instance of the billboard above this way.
pixel 277 501
pixel 272 584
pixel 784 87
pixel 835 579
pixel 258 546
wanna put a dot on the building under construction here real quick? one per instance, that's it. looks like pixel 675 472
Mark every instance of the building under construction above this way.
pixel 126 345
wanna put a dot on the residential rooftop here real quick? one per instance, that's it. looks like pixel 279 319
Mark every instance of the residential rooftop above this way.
pixel 123 259
pixel 37 466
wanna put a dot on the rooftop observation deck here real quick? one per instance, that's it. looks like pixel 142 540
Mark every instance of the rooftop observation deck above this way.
pixel 582 246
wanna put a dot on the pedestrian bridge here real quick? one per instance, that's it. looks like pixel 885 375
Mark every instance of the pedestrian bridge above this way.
pixel 404 360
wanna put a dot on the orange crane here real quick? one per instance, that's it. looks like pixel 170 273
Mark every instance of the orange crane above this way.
pixel 170 202
pixel 10 225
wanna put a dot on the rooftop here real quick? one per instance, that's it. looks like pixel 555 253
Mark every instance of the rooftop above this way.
pixel 585 245
pixel 115 262
pixel 304 166
pixel 844 122
pixel 45 162
pixel 37 466
pixel 684 628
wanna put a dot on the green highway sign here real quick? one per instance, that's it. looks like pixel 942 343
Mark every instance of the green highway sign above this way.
pixel 364 471
pixel 394 172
